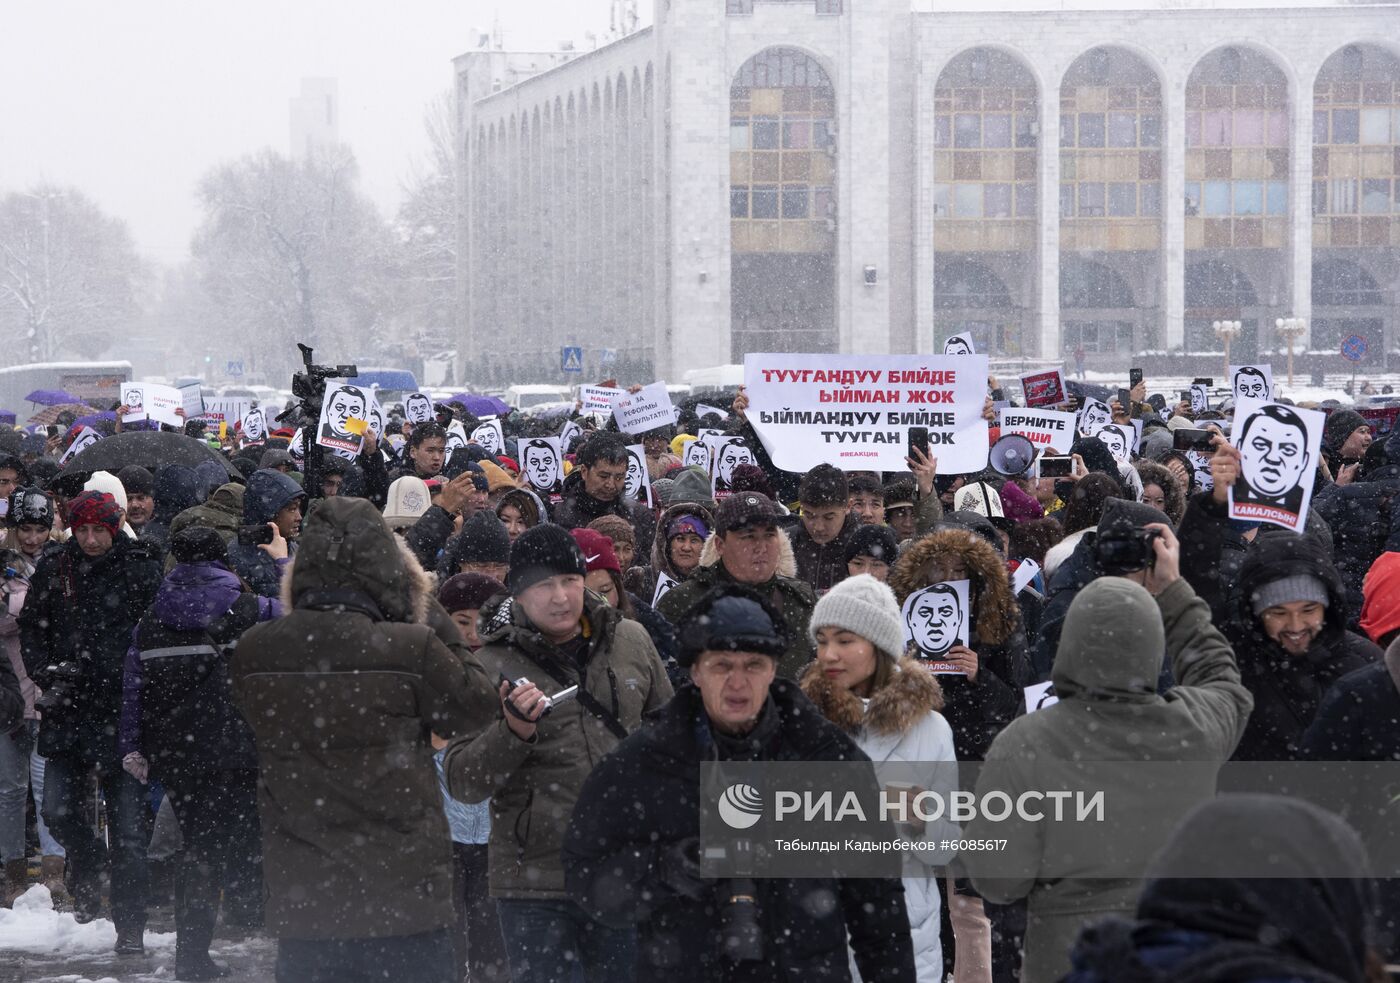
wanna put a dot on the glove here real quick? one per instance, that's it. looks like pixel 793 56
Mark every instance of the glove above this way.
pixel 680 868
pixel 134 764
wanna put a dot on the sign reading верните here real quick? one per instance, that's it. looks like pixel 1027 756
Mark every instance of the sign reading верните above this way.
pixel 855 411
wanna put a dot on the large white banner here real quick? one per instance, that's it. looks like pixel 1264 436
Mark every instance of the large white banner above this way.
pixel 855 411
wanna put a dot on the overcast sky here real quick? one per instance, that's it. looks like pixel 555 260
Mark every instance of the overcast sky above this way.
pixel 133 101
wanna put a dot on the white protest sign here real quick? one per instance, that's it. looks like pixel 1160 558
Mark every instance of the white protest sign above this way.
pixel 1051 431
pixel 855 411
pixel 254 427
pixel 456 437
pixel 705 409
pixel 85 438
pixel 344 417
pixel 1040 695
pixel 726 454
pixel 567 436
pixel 152 402
pixel 376 415
pixel 297 445
pixel 1251 382
pixel 959 344
pixel 542 463
pixel 1200 399
pixel 598 399
pixel 1279 447
pixel 418 408
pixel 1094 415
pixel 1025 573
pixel 664 582
pixel 638 487
pixel 1120 439
pixel 1200 464
pixel 646 409
pixel 191 401
pixel 936 619
pixel 489 435
pixel 221 410
pixel 696 453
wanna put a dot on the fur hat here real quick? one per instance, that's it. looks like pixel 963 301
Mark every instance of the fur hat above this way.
pixel 863 606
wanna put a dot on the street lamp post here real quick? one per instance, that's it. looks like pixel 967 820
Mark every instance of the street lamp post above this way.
pixel 1290 329
pixel 1226 331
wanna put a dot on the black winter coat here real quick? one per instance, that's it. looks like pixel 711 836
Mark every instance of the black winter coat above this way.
pixel 1360 517
pixel 822 565
pixel 84 610
pixel 1288 689
pixel 651 783
pixel 1212 554
pixel 578 509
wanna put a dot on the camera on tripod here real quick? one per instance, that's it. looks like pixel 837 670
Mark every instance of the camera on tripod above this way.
pixel 309 385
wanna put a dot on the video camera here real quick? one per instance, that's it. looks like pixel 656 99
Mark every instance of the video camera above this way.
pixel 309 386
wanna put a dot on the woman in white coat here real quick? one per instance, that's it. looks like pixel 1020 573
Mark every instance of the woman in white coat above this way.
pixel 889 704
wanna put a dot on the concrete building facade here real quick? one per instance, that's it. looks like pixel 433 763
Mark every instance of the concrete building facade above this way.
pixel 867 176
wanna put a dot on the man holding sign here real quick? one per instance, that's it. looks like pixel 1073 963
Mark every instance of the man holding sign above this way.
pixel 1278 447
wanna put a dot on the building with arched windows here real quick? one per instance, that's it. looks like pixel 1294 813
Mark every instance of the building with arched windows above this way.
pixel 876 175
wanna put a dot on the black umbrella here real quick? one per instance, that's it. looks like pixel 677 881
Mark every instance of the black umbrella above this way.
pixel 152 450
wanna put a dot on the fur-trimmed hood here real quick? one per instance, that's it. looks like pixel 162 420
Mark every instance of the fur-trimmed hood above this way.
pixel 894 709
pixel 787 562
pixel 347 549
pixel 1153 473
pixel 997 613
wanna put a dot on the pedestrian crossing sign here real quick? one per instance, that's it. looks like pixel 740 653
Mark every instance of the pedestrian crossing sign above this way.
pixel 571 358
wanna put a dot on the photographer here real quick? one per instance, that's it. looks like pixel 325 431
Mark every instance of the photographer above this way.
pixel 271 499
pixel 83 603
pixel 645 871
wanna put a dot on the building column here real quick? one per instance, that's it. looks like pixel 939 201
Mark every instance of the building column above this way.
pixel 1173 299
pixel 1300 177
pixel 925 219
pixel 1048 149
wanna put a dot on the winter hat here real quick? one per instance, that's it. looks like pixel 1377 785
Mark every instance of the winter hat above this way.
pixel 1017 505
pixel 661 491
pixel 496 476
pixel 616 528
pixel 597 549
pixel 743 510
pixel 876 542
pixel 95 508
pixel 274 458
pixel 1096 455
pixel 136 480
pixel 982 498
pixel 750 477
pixel 692 485
pixel 678 443
pixel 509 464
pixel 483 539
pixel 731 618
pixel 1299 587
pixel 198 544
pixel 1340 425
pixel 540 553
pixel 823 485
pixel 1380 607
pixel 468 591
pixel 105 481
pixel 409 498
pixel 1180 423
pixel 866 607
pixel 687 523
pixel 899 495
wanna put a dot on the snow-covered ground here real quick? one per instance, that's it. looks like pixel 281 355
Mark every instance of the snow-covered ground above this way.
pixel 41 945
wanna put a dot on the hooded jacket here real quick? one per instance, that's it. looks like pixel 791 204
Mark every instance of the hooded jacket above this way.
pixel 616 873
pixel 1288 689
pixel 578 509
pixel 177 709
pixel 268 493
pixel 342 694
pixel 1105 676
pixel 900 725
pixel 642 580
pixel 533 785
pixel 976 710
pixel 222 512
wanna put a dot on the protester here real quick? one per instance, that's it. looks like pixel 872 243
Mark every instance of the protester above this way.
pixel 483 546
pixel 548 634
pixel 426 450
pixel 748 549
pixel 1161 490
pixel 862 682
pixel 271 499
pixel 348 795
pixel 827 524
pixel 645 872
pixel 619 533
pixel 604 578
pixel 179 727
pixel 139 485
pixel 867 499
pixel 595 488
pixel 899 509
pixel 872 549
pixel 83 603
pixel 520 509
pixel 678 543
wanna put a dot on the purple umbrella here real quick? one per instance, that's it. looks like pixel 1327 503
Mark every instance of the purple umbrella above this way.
pixel 52 397
pixel 480 405
pixel 96 418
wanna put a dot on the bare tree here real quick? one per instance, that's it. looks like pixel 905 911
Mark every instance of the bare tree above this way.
pixel 292 251
pixel 427 229
pixel 69 276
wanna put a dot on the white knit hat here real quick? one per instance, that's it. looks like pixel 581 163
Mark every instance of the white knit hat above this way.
pixel 408 499
pixel 866 607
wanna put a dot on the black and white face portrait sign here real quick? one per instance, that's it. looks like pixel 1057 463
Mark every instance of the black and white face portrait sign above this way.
pixel 935 619
pixel 1119 440
pixel 1279 448
pixel 959 344
pixel 488 434
pixel 254 427
pixel 376 418
pixel 342 404
pixel 86 438
pixel 1251 382
pixel 1200 399
pixel 542 463
pixel 638 487
pixel 728 455
pixel 569 436
pixel 418 408
pixel 696 454
pixel 1094 415
pixel 456 437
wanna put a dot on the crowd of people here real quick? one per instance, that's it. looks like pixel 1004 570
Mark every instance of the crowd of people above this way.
pixel 419 721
